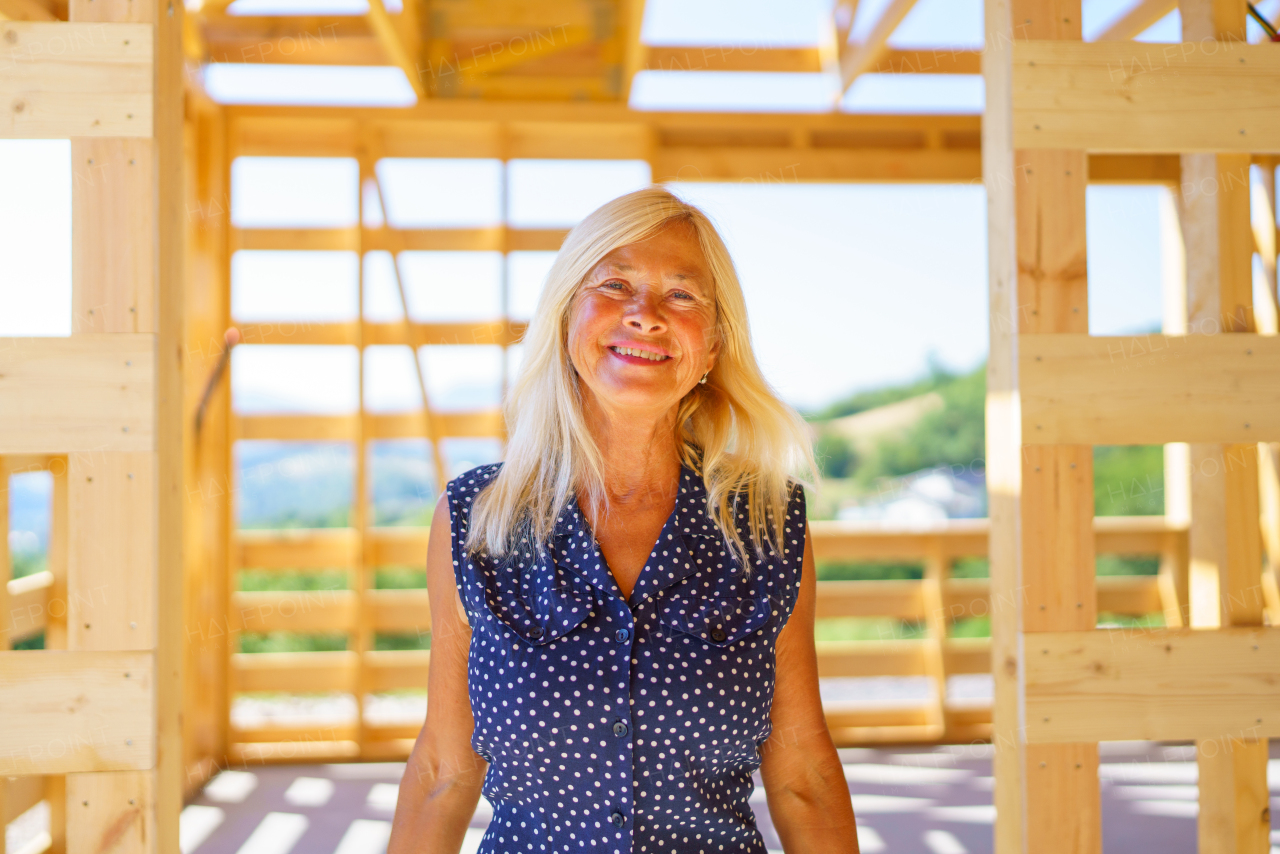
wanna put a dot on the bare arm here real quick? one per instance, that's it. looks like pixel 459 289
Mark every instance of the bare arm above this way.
pixel 803 779
pixel 442 780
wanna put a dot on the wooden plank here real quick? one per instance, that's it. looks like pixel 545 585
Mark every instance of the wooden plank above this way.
pixel 402 611
pixel 84 393
pixel 113 280
pixel 1003 439
pixel 21 794
pixel 1059 592
pixel 967 655
pixel 294 611
pixel 871 658
pixel 399 41
pixel 388 546
pixel 111 568
pixel 1131 595
pixel 786 165
pixel 395 670
pixel 287 734
pixel 76 79
pixel 302 332
pixel 1149 389
pixel 861 57
pixel 900 599
pixel 299 428
pixel 25 10
pixel 1132 23
pixel 121 803
pixel 294 671
pixel 27 611
pixel 1158 684
pixel 295 548
pixel 296 239
pixel 1137 97
pixel 76 711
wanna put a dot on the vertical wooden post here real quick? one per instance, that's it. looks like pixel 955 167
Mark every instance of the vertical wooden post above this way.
pixel 361 640
pixel 1267 238
pixel 936 569
pixel 206 501
pixel 124 557
pixel 1225 539
pixel 1173 574
pixel 1003 428
pixel 1042 555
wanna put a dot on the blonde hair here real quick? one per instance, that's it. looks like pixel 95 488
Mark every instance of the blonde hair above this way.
pixel 733 431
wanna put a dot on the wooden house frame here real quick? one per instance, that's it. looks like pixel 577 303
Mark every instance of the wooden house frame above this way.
pixel 127 708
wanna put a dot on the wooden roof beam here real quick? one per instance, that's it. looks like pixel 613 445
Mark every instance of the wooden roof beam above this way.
pixel 399 42
pixel 1137 20
pixel 859 58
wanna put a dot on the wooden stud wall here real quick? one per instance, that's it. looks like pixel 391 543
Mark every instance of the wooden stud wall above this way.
pixel 101 411
pixel 1054 391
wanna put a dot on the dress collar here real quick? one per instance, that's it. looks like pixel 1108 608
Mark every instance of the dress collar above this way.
pixel 681 549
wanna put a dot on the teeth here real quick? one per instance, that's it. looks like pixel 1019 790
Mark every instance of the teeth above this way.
pixel 643 354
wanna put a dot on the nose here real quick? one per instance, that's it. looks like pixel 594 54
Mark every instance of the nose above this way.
pixel 644 313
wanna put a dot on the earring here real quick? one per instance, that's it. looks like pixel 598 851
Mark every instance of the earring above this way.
pixel 703 381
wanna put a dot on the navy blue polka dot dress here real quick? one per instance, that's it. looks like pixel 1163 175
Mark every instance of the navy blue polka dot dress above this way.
pixel 623 725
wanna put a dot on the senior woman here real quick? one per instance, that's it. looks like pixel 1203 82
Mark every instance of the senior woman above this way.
pixel 623 610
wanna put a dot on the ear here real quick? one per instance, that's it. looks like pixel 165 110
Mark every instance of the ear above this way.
pixel 713 352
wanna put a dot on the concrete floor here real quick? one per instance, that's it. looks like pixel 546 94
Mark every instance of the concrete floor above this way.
pixel 907 800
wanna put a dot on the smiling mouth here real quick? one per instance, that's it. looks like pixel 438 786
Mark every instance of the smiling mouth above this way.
pixel 643 354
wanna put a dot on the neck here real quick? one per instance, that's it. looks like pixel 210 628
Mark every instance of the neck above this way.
pixel 639 451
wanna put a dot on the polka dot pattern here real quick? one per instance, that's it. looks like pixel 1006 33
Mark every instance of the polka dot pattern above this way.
pixel 615 724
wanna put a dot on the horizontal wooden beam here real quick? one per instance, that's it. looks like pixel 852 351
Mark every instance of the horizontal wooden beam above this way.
pixel 834 540
pixel 411 425
pixel 764 148
pixel 1152 684
pixel 804 59
pixel 294 671
pixel 318 548
pixel 91 392
pixel 1149 389
pixel 296 548
pixel 60 80
pixel 77 711
pixel 894 657
pixel 492 239
pixel 350 333
pixel 1135 97
pixel 28 606
pixel 320 611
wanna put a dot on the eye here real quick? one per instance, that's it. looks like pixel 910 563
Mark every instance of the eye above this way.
pixel 613 284
pixel 684 295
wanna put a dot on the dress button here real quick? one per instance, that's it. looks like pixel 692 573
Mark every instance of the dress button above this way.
pixel 619 729
pixel 622 635
pixel 535 632
pixel 718 635
pixel 618 818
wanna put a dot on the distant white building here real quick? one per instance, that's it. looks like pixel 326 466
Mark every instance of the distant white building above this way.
pixel 922 498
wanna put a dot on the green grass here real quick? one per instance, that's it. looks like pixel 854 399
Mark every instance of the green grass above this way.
pixel 292 580
pixel 420 640
pixel 868 570
pixel 400 578
pixel 866 629
pixel 291 642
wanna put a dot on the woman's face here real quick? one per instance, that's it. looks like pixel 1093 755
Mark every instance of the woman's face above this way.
pixel 642 327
